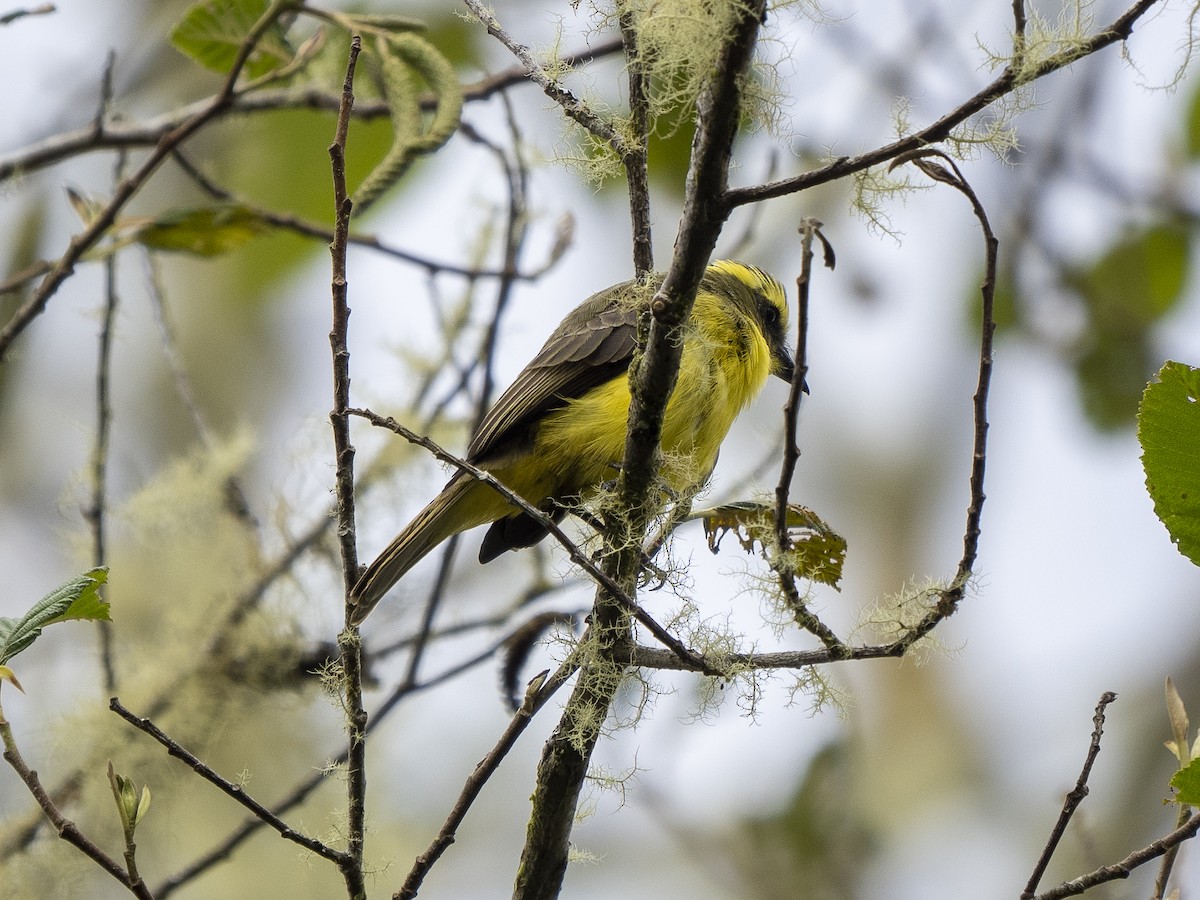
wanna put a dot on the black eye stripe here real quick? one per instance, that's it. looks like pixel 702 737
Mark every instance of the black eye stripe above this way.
pixel 769 313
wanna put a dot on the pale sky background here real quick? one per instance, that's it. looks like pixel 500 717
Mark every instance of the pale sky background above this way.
pixel 964 761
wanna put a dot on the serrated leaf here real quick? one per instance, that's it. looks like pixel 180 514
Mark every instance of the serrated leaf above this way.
pixel 207 231
pixel 212 33
pixel 1169 432
pixel 79 598
pixel 1187 784
pixel 818 553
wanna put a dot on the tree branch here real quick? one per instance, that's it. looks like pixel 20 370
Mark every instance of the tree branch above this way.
pixel 566 755
pixel 349 641
pixel 235 791
pixel 1009 80
pixel 1073 798
pixel 67 830
pixel 129 187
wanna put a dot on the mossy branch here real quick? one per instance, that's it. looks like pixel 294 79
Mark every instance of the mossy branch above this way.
pixel 1008 81
pixel 567 753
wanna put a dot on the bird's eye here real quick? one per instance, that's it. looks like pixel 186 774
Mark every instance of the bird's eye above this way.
pixel 769 313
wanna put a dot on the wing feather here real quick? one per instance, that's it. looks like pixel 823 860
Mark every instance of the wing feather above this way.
pixel 592 345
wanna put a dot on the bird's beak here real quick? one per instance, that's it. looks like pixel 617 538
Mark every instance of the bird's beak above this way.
pixel 785 366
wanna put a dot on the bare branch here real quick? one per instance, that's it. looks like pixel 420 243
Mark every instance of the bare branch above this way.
pixel 1125 867
pixel 67 830
pixel 44 9
pixel 1073 798
pixel 129 187
pixel 349 641
pixel 574 108
pixel 115 135
pixel 1009 80
pixel 810 229
pixel 949 598
pixel 540 690
pixel 235 791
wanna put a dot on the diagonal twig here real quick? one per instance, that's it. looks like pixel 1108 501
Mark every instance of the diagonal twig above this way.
pixel 1073 799
pixel 236 791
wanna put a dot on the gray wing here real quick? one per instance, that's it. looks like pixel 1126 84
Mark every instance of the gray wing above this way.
pixel 592 345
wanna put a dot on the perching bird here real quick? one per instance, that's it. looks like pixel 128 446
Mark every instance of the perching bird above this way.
pixel 558 432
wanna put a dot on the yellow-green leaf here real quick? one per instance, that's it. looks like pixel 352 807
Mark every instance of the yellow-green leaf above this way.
pixel 1177 714
pixel 208 231
pixel 79 598
pixel 7 674
pixel 212 33
pixel 1169 432
pixel 818 553
pixel 1187 784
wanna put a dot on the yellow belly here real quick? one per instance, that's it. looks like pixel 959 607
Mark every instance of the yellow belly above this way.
pixel 581 445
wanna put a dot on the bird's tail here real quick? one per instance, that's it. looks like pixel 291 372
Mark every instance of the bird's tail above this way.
pixel 462 504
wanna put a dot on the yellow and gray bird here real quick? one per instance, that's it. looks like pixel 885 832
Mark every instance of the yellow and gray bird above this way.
pixel 558 432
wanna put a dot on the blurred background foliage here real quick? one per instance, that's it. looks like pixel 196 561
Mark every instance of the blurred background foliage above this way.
pixel 934 780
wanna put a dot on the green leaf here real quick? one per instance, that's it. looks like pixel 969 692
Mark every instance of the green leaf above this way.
pixel 818 553
pixel 1169 432
pixel 1192 138
pixel 208 231
pixel 79 598
pixel 212 33
pixel 143 806
pixel 1139 279
pixel 1187 784
pixel 385 22
pixel 1111 373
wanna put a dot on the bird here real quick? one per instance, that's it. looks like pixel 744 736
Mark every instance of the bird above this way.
pixel 557 434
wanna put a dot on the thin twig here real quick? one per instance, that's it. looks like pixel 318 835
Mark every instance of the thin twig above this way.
pixel 1008 80
pixel 131 185
pixel 304 789
pixel 150 132
pixel 950 597
pixel 810 230
pixel 1163 878
pixel 97 511
pixel 215 649
pixel 319 232
pixel 572 106
pixel 67 830
pixel 349 641
pixel 515 231
pixel 539 691
pixel 1073 798
pixel 237 498
pixel 690 657
pixel 44 9
pixel 1020 22
pixel 635 159
pixel 1124 868
pixel 229 788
